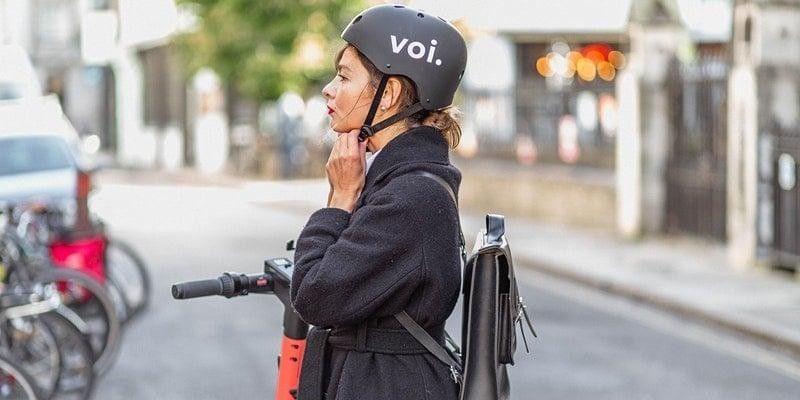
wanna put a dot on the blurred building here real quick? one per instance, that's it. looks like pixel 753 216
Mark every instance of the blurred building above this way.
pixel 643 116
pixel 111 65
pixel 764 134
pixel 646 116
pixel 50 32
pixel 617 112
pixel 551 94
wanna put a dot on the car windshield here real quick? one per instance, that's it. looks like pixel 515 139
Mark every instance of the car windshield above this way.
pixel 9 91
pixel 19 155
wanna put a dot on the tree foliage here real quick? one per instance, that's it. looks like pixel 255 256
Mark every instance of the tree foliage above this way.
pixel 265 47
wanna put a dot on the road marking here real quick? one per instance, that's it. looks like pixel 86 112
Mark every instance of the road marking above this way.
pixel 664 322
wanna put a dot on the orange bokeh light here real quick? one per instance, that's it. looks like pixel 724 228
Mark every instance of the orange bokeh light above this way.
pixel 586 69
pixel 574 56
pixel 589 62
pixel 606 71
pixel 595 56
pixel 543 67
pixel 617 59
pixel 601 51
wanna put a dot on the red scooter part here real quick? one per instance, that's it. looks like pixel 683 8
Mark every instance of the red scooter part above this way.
pixel 289 363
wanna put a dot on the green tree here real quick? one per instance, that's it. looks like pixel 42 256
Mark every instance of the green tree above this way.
pixel 265 47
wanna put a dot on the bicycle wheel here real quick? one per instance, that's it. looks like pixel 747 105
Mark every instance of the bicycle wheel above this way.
pixel 15 383
pixel 95 310
pixel 76 380
pixel 126 270
pixel 34 346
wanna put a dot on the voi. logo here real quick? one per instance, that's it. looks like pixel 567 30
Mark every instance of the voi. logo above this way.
pixel 415 50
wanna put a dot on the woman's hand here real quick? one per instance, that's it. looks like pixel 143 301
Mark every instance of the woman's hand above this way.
pixel 345 169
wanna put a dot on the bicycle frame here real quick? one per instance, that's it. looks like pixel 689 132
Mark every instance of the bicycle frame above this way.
pixel 275 280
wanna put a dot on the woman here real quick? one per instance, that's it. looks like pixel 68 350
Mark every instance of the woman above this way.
pixel 388 240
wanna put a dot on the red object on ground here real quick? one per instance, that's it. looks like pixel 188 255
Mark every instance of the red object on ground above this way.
pixel 86 255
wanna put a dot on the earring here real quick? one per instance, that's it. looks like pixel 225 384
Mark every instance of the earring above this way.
pixel 383 108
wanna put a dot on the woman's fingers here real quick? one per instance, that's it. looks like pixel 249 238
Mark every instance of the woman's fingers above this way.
pixel 346 163
pixel 352 143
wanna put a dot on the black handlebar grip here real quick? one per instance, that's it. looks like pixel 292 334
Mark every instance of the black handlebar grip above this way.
pixel 192 289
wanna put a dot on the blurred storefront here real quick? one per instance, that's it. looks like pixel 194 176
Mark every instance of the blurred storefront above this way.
pixel 565 99
pixel 764 129
pixel 560 105
pixel 51 32
pixel 622 103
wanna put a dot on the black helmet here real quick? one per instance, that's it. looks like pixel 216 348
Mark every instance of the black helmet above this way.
pixel 422 47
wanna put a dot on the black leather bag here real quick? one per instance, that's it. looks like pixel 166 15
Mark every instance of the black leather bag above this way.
pixel 492 309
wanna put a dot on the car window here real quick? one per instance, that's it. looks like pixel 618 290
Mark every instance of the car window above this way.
pixel 9 91
pixel 21 155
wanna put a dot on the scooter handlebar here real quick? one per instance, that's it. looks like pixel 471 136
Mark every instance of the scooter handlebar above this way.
pixel 230 284
pixel 192 289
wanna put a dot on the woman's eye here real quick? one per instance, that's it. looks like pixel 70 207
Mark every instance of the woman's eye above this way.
pixel 341 77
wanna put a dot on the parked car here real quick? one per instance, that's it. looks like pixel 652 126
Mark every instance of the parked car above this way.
pixel 41 161
pixel 40 157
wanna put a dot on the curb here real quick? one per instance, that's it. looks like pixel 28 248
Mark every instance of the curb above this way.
pixel 758 334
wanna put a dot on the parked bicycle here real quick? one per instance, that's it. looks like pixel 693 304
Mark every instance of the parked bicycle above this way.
pixel 45 343
pixel 28 264
pixel 15 383
pixel 58 323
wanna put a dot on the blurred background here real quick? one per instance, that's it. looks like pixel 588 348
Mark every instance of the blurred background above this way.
pixel 644 151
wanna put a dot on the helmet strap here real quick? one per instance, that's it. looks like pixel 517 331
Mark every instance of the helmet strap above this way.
pixel 368 129
pixel 376 100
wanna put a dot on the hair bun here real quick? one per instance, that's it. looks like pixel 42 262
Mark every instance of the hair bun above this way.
pixel 446 120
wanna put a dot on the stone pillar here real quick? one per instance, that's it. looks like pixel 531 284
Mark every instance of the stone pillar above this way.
pixel 655 33
pixel 136 146
pixel 763 101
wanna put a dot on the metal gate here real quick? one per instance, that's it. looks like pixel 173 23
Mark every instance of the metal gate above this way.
pixel 695 171
pixel 786 198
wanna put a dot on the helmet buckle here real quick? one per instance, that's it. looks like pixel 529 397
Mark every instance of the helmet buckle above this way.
pixel 365 133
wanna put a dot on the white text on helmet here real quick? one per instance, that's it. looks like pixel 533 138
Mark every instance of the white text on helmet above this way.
pixel 415 50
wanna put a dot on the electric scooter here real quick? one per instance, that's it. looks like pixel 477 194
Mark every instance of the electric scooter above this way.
pixel 276 280
pixel 492 308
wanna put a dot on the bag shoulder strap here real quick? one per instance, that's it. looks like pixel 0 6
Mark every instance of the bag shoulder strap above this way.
pixel 424 338
pixel 449 190
pixel 419 333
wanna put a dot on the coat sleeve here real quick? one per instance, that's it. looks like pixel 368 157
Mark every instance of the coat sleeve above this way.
pixel 348 266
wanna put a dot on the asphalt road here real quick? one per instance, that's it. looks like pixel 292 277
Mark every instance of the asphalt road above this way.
pixel 591 345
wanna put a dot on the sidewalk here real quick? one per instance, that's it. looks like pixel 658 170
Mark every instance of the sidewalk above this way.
pixel 683 276
pixel 687 277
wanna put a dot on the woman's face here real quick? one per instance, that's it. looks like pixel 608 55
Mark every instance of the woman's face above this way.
pixel 349 94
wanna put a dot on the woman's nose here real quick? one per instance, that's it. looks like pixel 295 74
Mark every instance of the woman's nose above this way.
pixel 328 90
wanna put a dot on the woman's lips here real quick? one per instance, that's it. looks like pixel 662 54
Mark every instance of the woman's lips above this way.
pixel 330 111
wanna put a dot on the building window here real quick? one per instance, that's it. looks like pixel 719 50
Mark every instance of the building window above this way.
pixel 566 102
pixel 164 89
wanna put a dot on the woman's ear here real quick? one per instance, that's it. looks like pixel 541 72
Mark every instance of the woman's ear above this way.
pixel 391 95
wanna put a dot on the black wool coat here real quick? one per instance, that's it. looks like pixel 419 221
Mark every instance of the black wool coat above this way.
pixel 398 250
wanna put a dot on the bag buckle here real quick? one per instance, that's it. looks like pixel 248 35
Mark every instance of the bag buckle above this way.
pixel 523 312
pixel 455 374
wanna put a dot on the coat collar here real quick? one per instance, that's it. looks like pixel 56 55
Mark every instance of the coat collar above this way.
pixel 417 145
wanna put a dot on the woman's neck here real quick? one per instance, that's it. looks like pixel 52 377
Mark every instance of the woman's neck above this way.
pixel 380 139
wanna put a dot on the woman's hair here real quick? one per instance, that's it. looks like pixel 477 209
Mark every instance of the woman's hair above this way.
pixel 445 120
